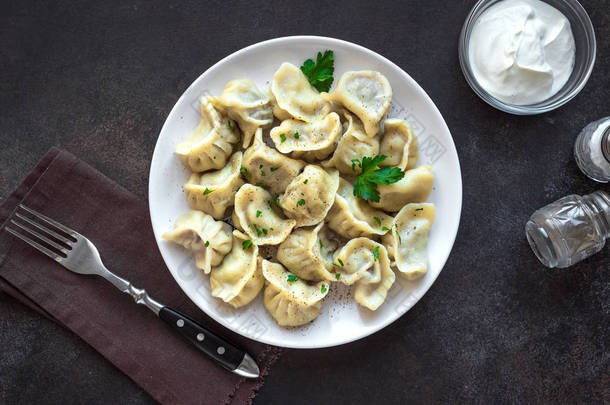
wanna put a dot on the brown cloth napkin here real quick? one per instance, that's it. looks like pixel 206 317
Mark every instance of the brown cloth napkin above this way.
pixel 129 335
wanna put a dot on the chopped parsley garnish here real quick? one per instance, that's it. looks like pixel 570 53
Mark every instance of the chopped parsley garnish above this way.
pixel 365 186
pixel 300 202
pixel 323 289
pixel 320 73
pixel 273 168
pixel 277 201
pixel 306 180
pixel 264 231
pixel 261 185
pixel 385 228
pixel 419 209
pixel 377 220
pixel 296 135
pixel 246 244
pixel 376 253
pixel 283 138
pixel 263 173
pixel 260 166
pixel 269 203
pixel 321 245
pixel 237 188
pixel 207 191
pixel 340 262
pixel 231 127
pixel 207 243
pixel 338 276
pixel 292 278
pixel 258 213
pixel 259 232
pixel 245 173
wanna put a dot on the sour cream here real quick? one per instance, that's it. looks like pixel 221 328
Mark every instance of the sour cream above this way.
pixel 522 51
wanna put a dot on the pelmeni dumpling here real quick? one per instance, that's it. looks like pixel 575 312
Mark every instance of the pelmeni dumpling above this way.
pixel 208 240
pixel 267 166
pixel 353 260
pixel 354 144
pixel 367 94
pixel 409 237
pixel 294 97
pixel 214 192
pixel 414 187
pixel 352 217
pixel 371 290
pixel 399 144
pixel 255 214
pixel 308 253
pixel 244 102
pixel 239 279
pixel 310 195
pixel 211 143
pixel 289 300
pixel 309 141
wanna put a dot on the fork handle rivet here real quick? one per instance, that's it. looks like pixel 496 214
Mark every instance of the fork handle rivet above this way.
pixel 180 323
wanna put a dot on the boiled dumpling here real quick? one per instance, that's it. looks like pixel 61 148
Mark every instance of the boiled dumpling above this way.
pixel 371 290
pixel 256 214
pixel 214 192
pixel 310 195
pixel 208 240
pixel 398 144
pixel 352 217
pixel 238 280
pixel 414 187
pixel 367 94
pixel 353 260
pixel 308 253
pixel 245 103
pixel 354 144
pixel 289 300
pixel 266 166
pixel 211 143
pixel 293 96
pixel 309 141
pixel 409 237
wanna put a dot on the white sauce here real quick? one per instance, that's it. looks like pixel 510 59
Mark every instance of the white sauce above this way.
pixel 522 51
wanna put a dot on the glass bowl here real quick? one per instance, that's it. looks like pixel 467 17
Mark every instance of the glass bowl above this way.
pixel 584 38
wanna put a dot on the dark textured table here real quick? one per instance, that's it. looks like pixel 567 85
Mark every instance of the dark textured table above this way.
pixel 99 78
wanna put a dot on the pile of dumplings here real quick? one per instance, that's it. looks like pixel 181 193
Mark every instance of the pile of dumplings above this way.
pixel 298 227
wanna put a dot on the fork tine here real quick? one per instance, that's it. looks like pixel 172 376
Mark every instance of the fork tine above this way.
pixel 56 224
pixel 37 245
pixel 43 238
pixel 45 229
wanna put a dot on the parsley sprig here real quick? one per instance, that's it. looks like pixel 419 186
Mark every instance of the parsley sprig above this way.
pixel 320 73
pixel 365 186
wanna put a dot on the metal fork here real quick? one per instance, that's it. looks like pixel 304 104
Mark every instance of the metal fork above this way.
pixel 79 255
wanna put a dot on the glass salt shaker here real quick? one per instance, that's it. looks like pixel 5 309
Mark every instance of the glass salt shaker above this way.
pixel 592 150
pixel 570 229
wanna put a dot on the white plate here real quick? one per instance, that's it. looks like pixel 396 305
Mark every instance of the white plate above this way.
pixel 341 319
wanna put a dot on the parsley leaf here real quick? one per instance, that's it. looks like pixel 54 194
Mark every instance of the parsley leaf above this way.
pixel 365 186
pixel 338 276
pixel 258 213
pixel 300 202
pixel 292 278
pixel 321 244
pixel 320 73
pixel 340 262
pixel 306 180
pixel 385 229
pixel 230 126
pixel 296 135
pixel 246 244
pixel 207 243
pixel 419 209
pixel 245 173
pixel 323 289
pixel 283 138
pixel 207 191
pixel 377 220
pixel 376 253
pixel 273 168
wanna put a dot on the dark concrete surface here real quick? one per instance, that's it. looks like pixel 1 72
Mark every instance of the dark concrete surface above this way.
pixel 99 78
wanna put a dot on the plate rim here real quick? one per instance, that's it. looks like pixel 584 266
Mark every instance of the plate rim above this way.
pixel 405 76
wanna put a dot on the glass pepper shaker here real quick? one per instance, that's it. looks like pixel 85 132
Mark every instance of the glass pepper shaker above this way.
pixel 592 150
pixel 570 229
